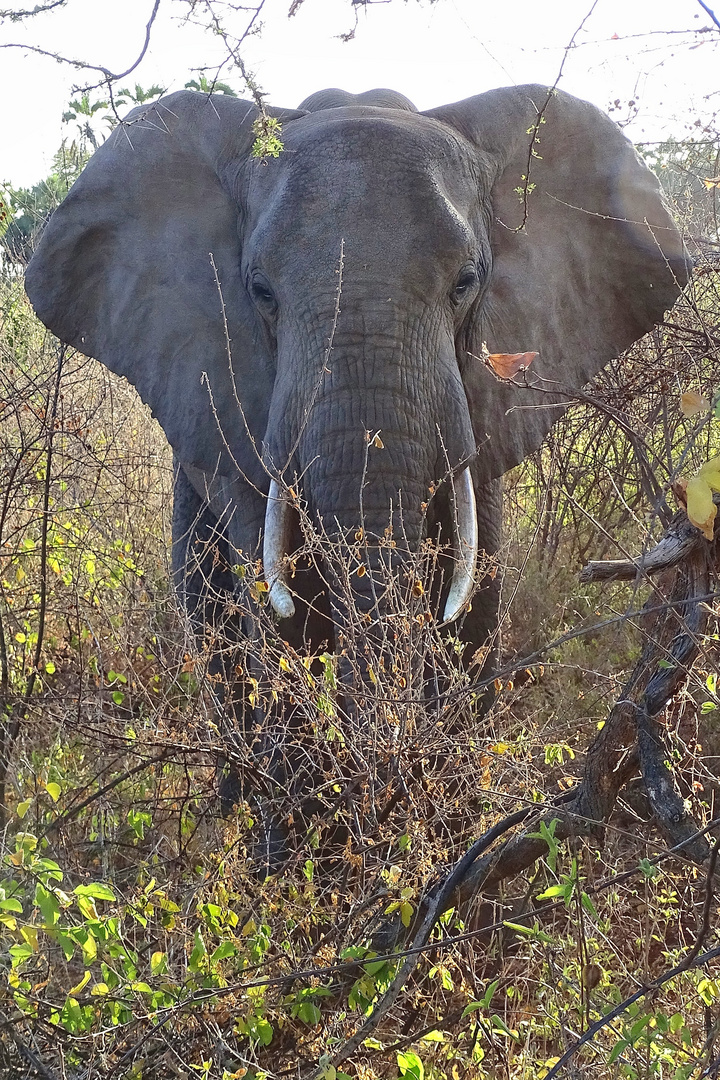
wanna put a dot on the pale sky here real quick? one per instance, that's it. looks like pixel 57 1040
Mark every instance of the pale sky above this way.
pixel 648 51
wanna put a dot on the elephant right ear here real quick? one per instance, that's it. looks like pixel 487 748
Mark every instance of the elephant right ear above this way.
pixel 139 267
pixel 585 257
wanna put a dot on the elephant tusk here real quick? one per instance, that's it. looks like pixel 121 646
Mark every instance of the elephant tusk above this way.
pixel 466 544
pixel 275 545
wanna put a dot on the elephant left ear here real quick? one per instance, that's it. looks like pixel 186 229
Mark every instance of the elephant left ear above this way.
pixel 586 258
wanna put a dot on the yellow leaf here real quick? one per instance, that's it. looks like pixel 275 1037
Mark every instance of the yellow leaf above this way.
pixel 30 933
pixel 361 571
pixel 378 443
pixel 711 181
pixel 406 913
pixel 81 985
pixel 54 791
pixel 284 664
pixel 692 403
pixel 700 506
pixel 710 473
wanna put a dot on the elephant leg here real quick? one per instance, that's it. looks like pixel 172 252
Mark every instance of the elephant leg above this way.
pixel 204 583
pixel 200 558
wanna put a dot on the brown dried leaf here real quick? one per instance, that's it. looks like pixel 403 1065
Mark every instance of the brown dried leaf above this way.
pixel 507 365
pixel 692 403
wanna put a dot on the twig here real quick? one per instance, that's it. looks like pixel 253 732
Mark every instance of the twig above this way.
pixel 709 12
pixel 73 812
pixel 692 960
pixel 108 76
pixel 12 731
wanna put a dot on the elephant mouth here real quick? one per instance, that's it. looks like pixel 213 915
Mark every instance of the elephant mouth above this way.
pixel 278 527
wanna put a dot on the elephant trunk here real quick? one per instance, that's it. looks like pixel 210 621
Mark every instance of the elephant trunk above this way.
pixel 365 457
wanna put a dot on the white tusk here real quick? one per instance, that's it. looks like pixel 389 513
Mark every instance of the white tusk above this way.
pixel 466 546
pixel 275 545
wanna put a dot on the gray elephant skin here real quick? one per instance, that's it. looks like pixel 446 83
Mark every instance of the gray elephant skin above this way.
pixel 520 219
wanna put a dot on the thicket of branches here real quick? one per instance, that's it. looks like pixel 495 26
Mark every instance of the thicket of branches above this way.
pixel 505 894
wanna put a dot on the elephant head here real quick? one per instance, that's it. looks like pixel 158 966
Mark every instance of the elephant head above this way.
pixel 317 320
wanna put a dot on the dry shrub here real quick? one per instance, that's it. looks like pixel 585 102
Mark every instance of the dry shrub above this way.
pixel 185 959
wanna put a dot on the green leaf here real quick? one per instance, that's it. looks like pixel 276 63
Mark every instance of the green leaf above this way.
pixel 96 890
pixel 225 949
pixel 676 1022
pixel 374 966
pixel 499 1024
pixel 309 1013
pixel 588 905
pixel 87 907
pixel 48 904
pixel 530 931
pixel 89 949
pixel 10 903
pixel 20 953
pixel 638 1027
pixel 553 890
pixel 410 1065
pixel 54 791
pixel 199 952
pixel 264 1032
pixel 66 943
pixel 617 1050
pixel 22 808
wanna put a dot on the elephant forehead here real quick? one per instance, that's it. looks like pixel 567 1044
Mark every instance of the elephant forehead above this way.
pixel 366 149
pixel 385 186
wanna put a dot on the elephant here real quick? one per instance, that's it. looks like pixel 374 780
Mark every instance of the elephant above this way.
pixel 309 328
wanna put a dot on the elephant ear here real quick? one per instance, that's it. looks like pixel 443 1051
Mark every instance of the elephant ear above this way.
pixel 586 258
pixel 124 273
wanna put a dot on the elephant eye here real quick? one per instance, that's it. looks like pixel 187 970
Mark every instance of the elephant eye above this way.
pixel 466 283
pixel 262 293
